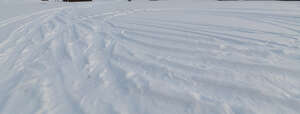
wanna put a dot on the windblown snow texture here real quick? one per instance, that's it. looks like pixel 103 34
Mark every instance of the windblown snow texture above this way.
pixel 159 57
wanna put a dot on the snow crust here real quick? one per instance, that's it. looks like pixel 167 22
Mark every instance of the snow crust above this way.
pixel 164 57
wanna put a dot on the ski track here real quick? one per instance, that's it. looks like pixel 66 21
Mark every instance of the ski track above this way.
pixel 120 61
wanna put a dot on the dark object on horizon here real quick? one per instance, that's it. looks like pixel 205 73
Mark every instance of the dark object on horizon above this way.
pixel 129 0
pixel 76 0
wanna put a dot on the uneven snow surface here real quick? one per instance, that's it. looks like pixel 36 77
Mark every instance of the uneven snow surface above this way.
pixel 159 57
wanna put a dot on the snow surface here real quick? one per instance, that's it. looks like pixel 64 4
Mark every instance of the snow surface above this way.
pixel 163 57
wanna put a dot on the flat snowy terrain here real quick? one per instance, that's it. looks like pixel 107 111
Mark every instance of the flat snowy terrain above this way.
pixel 162 57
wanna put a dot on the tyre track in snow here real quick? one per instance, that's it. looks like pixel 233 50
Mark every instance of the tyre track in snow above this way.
pixel 116 62
pixel 45 50
pixel 24 55
pixel 12 49
pixel 147 46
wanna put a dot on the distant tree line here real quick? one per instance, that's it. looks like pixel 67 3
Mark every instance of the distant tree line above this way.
pixel 70 0
pixel 75 0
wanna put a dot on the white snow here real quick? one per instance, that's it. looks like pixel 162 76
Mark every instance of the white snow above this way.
pixel 162 57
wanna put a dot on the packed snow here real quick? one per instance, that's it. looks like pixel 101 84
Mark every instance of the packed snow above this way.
pixel 142 57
